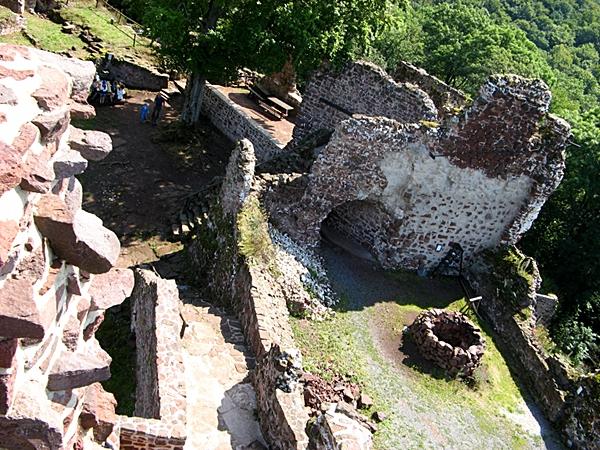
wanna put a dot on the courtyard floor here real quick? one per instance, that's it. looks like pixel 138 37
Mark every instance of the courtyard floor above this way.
pixel 425 410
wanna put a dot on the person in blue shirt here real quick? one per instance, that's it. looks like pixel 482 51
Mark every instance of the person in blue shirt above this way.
pixel 144 112
pixel 158 104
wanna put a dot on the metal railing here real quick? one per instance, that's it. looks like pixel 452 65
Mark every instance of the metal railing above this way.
pixel 121 19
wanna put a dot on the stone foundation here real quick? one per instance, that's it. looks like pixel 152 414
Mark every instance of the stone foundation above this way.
pixel 55 261
pixel 236 124
pixel 448 339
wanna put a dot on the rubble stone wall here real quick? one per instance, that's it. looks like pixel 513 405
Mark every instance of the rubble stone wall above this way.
pixel 160 375
pixel 236 124
pixel 137 433
pixel 136 76
pixel 55 259
pixel 445 97
pixel 360 88
pixel 478 180
pixel 569 401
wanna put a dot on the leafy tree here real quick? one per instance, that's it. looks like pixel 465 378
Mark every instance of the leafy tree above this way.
pixel 212 39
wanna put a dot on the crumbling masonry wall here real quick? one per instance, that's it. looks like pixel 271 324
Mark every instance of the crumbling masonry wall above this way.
pixel 478 180
pixel 160 400
pixel 359 88
pixel 56 260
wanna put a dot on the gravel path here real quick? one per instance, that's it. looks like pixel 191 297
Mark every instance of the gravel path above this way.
pixel 421 418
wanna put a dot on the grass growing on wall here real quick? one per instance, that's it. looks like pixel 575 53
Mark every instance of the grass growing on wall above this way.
pixel 254 240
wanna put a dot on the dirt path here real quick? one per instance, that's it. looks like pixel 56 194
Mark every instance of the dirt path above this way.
pixel 138 188
pixel 425 410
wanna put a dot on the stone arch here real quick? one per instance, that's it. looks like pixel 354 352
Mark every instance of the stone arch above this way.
pixel 364 227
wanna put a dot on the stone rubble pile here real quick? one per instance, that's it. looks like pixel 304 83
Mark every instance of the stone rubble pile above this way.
pixel 56 260
pixel 448 339
pixel 301 263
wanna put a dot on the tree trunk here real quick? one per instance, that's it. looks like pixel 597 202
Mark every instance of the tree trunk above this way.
pixel 192 105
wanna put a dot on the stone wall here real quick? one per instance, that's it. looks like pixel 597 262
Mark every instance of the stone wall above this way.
pixel 160 375
pixel 445 98
pixel 236 124
pixel 478 180
pixel 135 75
pixel 569 401
pixel 56 260
pixel 16 6
pixel 360 88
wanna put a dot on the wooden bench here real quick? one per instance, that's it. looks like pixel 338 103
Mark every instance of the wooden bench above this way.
pixel 270 104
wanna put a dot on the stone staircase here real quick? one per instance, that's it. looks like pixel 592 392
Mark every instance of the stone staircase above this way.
pixel 221 403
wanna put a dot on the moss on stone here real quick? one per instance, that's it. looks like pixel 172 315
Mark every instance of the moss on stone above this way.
pixel 514 276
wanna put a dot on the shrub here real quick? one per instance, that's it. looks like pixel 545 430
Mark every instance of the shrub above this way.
pixel 254 240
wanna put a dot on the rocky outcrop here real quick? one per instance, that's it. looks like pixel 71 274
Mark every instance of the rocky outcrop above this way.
pixel 49 250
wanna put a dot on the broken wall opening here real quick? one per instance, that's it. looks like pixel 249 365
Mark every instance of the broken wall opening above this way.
pixel 359 227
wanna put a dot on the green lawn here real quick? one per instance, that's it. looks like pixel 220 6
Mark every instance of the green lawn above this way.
pixel 49 36
pixel 425 409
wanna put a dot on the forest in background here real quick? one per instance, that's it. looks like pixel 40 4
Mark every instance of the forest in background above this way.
pixel 462 42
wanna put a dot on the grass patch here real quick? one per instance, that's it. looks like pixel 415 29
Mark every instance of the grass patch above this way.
pixel 254 239
pixel 48 35
pixel 115 337
pixel 117 37
pixel 351 345
pixel 15 38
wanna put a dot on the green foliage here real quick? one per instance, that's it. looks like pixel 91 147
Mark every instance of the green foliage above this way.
pixel 514 276
pixel 214 39
pixel 577 340
pixel 254 240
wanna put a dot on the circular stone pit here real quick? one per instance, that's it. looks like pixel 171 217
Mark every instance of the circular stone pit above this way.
pixel 449 339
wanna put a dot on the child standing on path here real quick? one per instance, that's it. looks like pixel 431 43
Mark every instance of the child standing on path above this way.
pixel 144 112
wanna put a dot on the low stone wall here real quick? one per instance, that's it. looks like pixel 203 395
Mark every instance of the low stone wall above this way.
pixel 138 433
pixel 134 75
pixel 236 124
pixel 448 339
pixel 160 387
pixel 56 260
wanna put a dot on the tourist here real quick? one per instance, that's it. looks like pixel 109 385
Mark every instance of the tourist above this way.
pixel 104 87
pixel 144 112
pixel 158 104
pixel 95 91
pixel 120 96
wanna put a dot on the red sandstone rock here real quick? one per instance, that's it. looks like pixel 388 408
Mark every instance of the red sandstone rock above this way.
pixel 19 315
pixel 70 335
pixel 81 110
pixel 11 168
pixel 54 91
pixel 28 134
pixel 8 232
pixel 52 124
pixel 83 307
pixel 39 173
pixel 93 145
pixel 98 412
pixel 82 368
pixel 111 288
pixel 8 349
pixel 7 384
pixel 79 238
pixel 7 96
pixel 18 75
pixel 93 327
pixel 69 163
pixel 32 266
pixel 2 117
